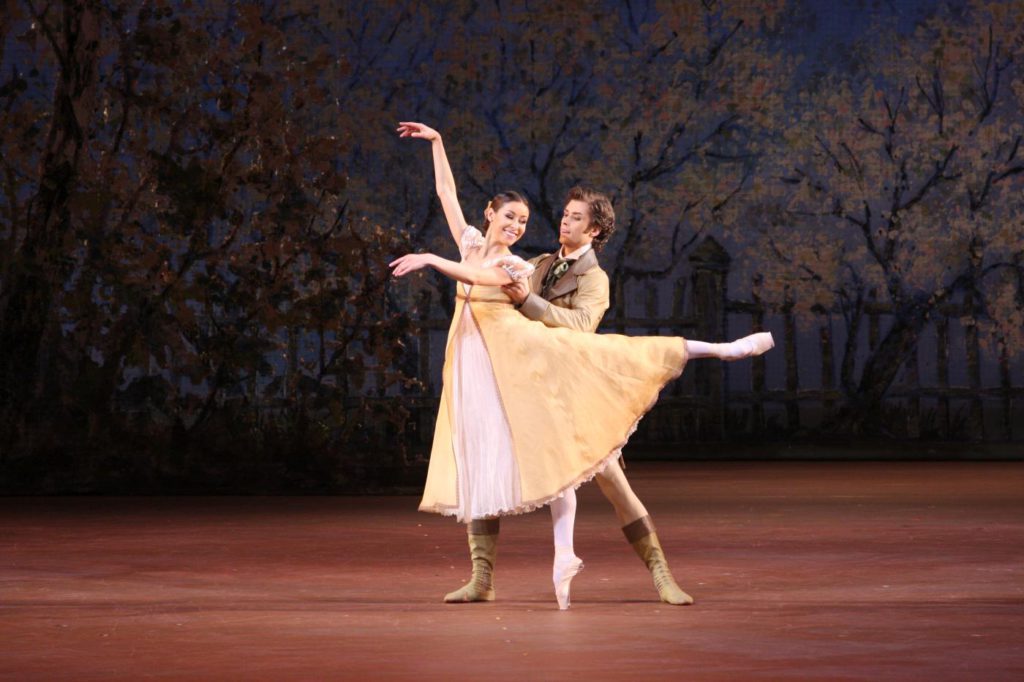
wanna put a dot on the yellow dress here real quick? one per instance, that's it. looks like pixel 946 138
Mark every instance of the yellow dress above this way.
pixel 560 403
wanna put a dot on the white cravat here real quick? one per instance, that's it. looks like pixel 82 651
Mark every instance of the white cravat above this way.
pixel 575 255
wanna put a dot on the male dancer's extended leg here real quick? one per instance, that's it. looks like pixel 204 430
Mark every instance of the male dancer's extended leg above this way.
pixel 639 531
pixel 483 551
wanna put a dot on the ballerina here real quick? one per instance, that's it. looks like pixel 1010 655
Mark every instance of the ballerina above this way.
pixel 528 412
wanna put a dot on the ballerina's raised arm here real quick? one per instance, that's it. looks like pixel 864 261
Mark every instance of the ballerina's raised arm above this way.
pixel 443 178
pixel 505 221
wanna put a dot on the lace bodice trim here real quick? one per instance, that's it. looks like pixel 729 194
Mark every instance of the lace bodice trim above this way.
pixel 472 239
pixel 517 268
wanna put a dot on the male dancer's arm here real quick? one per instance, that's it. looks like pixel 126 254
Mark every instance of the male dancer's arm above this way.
pixel 588 305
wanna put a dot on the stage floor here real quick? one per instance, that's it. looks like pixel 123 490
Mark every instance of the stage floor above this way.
pixel 859 571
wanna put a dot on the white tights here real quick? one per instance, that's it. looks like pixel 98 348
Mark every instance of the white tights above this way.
pixel 724 351
pixel 563 521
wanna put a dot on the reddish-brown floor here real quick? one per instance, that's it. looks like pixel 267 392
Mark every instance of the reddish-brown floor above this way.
pixel 800 570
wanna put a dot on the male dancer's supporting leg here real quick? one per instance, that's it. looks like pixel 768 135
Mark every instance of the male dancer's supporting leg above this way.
pixel 483 551
pixel 638 527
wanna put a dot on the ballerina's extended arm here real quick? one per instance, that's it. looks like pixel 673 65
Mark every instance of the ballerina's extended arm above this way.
pixel 443 178
pixel 467 274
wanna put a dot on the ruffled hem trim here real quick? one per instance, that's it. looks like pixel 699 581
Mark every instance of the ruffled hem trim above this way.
pixel 585 477
pixel 527 507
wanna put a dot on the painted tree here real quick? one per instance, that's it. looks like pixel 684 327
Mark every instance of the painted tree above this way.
pixel 695 92
pixel 174 209
pixel 904 181
pixel 661 105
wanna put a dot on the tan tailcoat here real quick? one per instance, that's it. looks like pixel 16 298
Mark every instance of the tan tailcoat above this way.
pixel 577 301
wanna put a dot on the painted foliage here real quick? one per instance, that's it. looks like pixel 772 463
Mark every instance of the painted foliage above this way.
pixel 199 199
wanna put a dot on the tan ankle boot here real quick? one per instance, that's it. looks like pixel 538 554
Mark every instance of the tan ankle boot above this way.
pixel 641 535
pixel 483 550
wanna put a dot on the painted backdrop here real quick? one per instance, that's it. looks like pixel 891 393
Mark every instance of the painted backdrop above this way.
pixel 199 201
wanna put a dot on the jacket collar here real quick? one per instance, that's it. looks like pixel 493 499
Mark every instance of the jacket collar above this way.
pixel 569 281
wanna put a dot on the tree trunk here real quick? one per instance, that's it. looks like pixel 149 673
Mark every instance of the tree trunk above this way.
pixel 863 412
pixel 40 266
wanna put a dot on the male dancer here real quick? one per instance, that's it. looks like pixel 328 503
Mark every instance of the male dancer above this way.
pixel 569 289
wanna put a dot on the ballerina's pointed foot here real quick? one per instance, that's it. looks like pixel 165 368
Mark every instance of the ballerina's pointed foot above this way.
pixel 749 346
pixel 564 572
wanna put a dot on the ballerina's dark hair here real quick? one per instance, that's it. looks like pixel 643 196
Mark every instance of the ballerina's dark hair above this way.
pixel 499 200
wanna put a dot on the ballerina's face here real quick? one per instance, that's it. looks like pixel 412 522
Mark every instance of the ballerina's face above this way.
pixel 507 222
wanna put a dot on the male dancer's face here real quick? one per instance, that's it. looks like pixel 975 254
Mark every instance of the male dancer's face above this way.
pixel 575 230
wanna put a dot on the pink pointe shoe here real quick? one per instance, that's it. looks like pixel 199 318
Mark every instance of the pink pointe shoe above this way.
pixel 562 575
pixel 749 346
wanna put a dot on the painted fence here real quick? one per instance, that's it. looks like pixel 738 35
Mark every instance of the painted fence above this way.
pixel 952 387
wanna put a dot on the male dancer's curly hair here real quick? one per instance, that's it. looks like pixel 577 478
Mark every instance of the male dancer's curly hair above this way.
pixel 602 215
pixel 499 200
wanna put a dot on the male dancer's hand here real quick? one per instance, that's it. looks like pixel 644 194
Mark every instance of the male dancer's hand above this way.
pixel 517 291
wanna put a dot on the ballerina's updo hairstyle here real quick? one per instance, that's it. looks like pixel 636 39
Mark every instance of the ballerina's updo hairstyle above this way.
pixel 499 200
pixel 602 215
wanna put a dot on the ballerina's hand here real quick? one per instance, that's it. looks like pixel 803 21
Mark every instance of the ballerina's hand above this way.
pixel 410 129
pixel 409 263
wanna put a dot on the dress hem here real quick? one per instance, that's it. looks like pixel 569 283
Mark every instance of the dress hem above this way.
pixel 585 477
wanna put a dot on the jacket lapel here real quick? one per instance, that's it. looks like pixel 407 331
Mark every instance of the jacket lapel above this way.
pixel 568 283
pixel 541 271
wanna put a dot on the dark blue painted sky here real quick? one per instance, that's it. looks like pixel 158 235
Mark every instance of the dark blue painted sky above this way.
pixel 824 30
